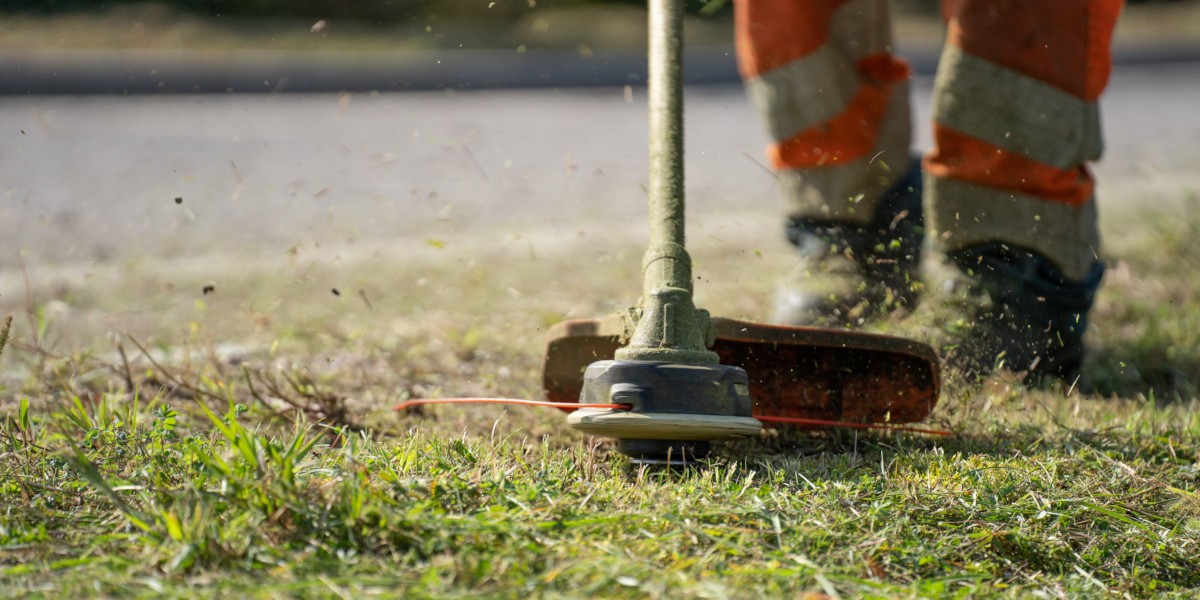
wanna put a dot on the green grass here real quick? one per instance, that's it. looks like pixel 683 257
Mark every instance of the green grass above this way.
pixel 240 444
pixel 118 498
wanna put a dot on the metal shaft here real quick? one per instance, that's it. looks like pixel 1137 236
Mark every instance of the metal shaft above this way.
pixel 668 327
pixel 666 122
pixel 679 394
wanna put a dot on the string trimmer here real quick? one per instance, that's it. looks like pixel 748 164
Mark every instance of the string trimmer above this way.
pixel 671 378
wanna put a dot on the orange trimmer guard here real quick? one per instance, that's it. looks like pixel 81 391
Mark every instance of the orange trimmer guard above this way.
pixel 801 372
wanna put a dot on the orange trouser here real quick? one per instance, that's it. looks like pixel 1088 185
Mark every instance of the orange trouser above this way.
pixel 1014 105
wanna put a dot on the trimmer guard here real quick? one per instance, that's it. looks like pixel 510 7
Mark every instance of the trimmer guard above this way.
pixel 800 372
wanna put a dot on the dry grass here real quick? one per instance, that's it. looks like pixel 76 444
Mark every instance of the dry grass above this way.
pixel 239 442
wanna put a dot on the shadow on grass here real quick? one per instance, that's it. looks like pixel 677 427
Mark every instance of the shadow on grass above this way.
pixel 1143 369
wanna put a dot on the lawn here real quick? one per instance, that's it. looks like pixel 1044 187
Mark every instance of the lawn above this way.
pixel 220 424
pixel 239 442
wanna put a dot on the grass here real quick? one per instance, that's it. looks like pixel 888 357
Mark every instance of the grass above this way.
pixel 157 440
pixel 139 501
pixel 239 443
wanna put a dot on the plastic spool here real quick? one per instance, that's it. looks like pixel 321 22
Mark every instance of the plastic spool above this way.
pixel 676 410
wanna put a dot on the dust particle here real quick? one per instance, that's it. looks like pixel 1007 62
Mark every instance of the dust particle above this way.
pixel 208 289
pixel 336 292
pixel 178 199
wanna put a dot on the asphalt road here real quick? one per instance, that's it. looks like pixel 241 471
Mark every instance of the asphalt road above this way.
pixel 25 71
pixel 106 178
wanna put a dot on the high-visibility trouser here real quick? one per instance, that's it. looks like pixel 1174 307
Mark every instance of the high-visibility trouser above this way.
pixel 1015 116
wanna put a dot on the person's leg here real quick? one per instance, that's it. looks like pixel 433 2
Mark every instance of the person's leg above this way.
pixel 835 102
pixel 1010 202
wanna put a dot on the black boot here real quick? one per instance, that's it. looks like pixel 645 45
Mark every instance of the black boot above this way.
pixel 993 306
pixel 852 274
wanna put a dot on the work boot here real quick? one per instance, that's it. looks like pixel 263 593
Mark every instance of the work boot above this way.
pixel 850 274
pixel 993 306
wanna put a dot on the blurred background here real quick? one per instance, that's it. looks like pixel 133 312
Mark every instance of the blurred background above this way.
pixel 254 46
pixel 159 156
pixel 419 24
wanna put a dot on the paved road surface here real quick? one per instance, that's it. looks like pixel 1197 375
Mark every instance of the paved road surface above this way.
pixel 96 178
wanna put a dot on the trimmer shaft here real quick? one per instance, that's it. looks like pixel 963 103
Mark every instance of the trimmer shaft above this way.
pixel 680 398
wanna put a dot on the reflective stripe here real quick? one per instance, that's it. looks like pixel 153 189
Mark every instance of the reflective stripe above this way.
pixel 834 99
pixel 803 93
pixel 847 192
pixel 771 33
pixel 1016 123
pixel 1065 43
pixel 799 60
pixel 855 131
pixel 850 190
pixel 1015 112
pixel 960 213
pixel 963 157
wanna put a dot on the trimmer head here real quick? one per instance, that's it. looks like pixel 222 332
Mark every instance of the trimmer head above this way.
pixel 801 372
pixel 681 378
pixel 674 410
